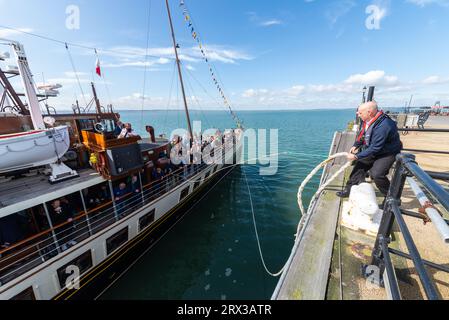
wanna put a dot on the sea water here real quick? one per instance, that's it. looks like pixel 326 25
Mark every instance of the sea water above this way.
pixel 212 253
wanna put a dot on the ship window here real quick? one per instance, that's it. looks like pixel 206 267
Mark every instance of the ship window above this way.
pixel 207 175
pixel 184 193
pixel 116 240
pixel 86 124
pixel 196 185
pixel 83 263
pixel 27 294
pixel 146 220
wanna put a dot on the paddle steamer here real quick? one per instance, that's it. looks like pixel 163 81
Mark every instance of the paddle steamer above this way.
pixel 77 204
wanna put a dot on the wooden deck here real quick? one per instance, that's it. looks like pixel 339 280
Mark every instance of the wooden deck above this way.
pixel 19 194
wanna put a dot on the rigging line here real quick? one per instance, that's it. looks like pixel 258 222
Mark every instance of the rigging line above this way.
pixel 257 234
pixel 198 103
pixel 177 101
pixel 188 16
pixel 205 91
pixel 76 73
pixel 79 45
pixel 196 100
pixel 169 95
pixel 146 62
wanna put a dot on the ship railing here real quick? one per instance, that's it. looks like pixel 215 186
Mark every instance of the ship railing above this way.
pixel 407 170
pixel 31 252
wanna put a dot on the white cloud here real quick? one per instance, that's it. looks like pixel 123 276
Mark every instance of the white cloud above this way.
pixel 257 20
pixel 129 63
pixel 376 77
pixel 69 79
pixel 7 33
pixel 128 56
pixel 435 80
pixel 424 3
pixel 271 22
pixel 65 81
pixel 390 91
pixel 296 90
pixel 249 93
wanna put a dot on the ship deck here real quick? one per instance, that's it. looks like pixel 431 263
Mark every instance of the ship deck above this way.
pixel 25 192
pixel 327 263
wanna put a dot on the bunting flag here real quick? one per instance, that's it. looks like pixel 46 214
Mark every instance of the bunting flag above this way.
pixel 196 37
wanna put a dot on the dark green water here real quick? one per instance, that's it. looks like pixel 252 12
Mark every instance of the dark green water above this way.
pixel 212 253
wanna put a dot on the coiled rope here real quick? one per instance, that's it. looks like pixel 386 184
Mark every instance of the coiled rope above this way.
pixel 305 215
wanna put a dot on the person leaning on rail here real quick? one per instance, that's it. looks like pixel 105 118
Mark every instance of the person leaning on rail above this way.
pixel 374 150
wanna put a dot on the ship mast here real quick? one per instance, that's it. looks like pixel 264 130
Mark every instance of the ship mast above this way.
pixel 179 70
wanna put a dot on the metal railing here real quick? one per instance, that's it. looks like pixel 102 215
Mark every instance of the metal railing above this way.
pixel 406 168
pixel 31 252
pixel 433 130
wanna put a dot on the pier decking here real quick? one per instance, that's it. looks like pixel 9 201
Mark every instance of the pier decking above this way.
pixel 307 276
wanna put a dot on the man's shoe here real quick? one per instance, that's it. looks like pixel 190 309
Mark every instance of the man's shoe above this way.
pixel 343 194
pixel 382 206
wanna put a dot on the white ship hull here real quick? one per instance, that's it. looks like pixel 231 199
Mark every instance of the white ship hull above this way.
pixel 33 148
pixel 43 280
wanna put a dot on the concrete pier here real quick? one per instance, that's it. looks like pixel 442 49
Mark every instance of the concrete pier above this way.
pixel 327 261
pixel 307 274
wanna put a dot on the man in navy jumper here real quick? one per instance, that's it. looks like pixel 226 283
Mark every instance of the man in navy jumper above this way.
pixel 374 150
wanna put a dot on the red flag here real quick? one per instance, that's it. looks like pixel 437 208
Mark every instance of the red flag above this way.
pixel 97 68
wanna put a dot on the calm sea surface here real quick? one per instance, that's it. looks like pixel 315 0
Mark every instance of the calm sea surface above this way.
pixel 212 253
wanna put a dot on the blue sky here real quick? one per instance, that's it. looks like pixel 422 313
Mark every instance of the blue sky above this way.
pixel 289 54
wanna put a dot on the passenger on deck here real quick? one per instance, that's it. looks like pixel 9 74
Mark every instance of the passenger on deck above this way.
pixel 157 174
pixel 91 200
pixel 118 128
pixel 135 184
pixel 127 132
pixel 104 194
pixel 63 212
pixel 375 149
pixel 119 197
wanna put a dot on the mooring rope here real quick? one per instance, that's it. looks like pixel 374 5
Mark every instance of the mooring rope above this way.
pixel 304 214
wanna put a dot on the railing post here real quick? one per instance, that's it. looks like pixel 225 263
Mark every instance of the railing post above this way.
pixel 394 196
pixel 85 211
pixel 51 227
pixel 141 189
pixel 111 189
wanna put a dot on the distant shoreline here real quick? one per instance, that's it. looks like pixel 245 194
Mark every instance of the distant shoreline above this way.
pixel 242 110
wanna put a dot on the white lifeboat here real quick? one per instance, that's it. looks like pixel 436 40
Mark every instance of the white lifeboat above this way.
pixel 33 148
